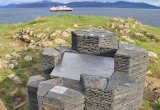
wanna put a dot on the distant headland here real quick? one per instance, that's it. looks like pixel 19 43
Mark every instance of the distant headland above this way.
pixel 119 4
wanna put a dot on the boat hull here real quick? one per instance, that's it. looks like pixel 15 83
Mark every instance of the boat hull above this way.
pixel 60 10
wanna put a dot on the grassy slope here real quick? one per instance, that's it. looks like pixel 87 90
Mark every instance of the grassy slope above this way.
pixel 48 25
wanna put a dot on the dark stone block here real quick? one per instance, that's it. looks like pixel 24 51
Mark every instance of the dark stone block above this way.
pixel 97 42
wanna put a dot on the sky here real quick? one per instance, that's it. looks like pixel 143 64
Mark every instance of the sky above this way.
pixel 153 2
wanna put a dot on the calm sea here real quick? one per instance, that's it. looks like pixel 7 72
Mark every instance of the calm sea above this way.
pixel 146 16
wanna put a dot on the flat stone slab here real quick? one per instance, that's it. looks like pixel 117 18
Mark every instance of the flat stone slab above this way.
pixel 73 65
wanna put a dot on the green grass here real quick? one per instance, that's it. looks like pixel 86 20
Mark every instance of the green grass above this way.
pixel 150 105
pixel 48 25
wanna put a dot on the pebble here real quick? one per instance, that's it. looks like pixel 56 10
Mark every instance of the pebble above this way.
pixel 15 63
pixel 59 41
pixel 11 76
pixel 45 44
pixel 15 55
pixel 76 25
pixel 17 80
pixel 25 38
pixel 2 64
pixel 66 34
pixel 8 56
pixel 152 55
pixel 53 35
pixel 28 58
pixel 153 61
pixel 128 39
pixel 41 35
pixel 149 72
pixel 32 46
pixel 11 66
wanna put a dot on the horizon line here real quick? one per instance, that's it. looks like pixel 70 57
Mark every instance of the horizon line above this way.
pixel 80 1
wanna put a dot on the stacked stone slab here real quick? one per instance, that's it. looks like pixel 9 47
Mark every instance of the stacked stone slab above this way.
pixel 63 49
pixel 97 98
pixel 52 96
pixel 123 90
pixel 43 89
pixel 97 42
pixel 130 72
pixel 51 56
pixel 32 87
pixel 72 84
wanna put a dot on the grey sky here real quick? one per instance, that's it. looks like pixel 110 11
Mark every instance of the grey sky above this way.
pixel 153 2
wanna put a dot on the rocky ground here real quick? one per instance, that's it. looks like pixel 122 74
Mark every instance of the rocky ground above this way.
pixel 21 46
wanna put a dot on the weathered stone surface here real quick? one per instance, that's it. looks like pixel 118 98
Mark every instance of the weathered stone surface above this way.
pixel 63 49
pixel 59 41
pixel 93 82
pixel 50 58
pixel 127 82
pixel 154 62
pixel 41 35
pixel 81 81
pixel 45 86
pixel 25 38
pixel 13 64
pixel 76 25
pixel 34 81
pixel 97 42
pixel 152 55
pixel 66 34
pixel 73 65
pixel 55 34
pixel 128 39
pixel 130 59
pixel 45 44
pixel 11 76
pixel 52 96
pixel 72 84
pixel 32 87
pixel 3 64
pixel 17 80
pixel 28 58
pixel 62 98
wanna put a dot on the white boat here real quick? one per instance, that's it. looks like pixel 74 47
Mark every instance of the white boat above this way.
pixel 60 8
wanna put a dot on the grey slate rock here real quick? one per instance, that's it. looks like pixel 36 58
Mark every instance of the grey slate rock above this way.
pixel 50 58
pixel 72 84
pixel 63 49
pixel 127 81
pixel 97 42
pixel 74 64
pixel 35 80
pixel 44 88
pixel 93 82
pixel 32 87
pixel 62 98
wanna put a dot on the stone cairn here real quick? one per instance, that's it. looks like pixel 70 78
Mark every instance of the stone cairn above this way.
pixel 67 83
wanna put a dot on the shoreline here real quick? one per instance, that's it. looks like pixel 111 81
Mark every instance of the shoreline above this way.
pixel 146 16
